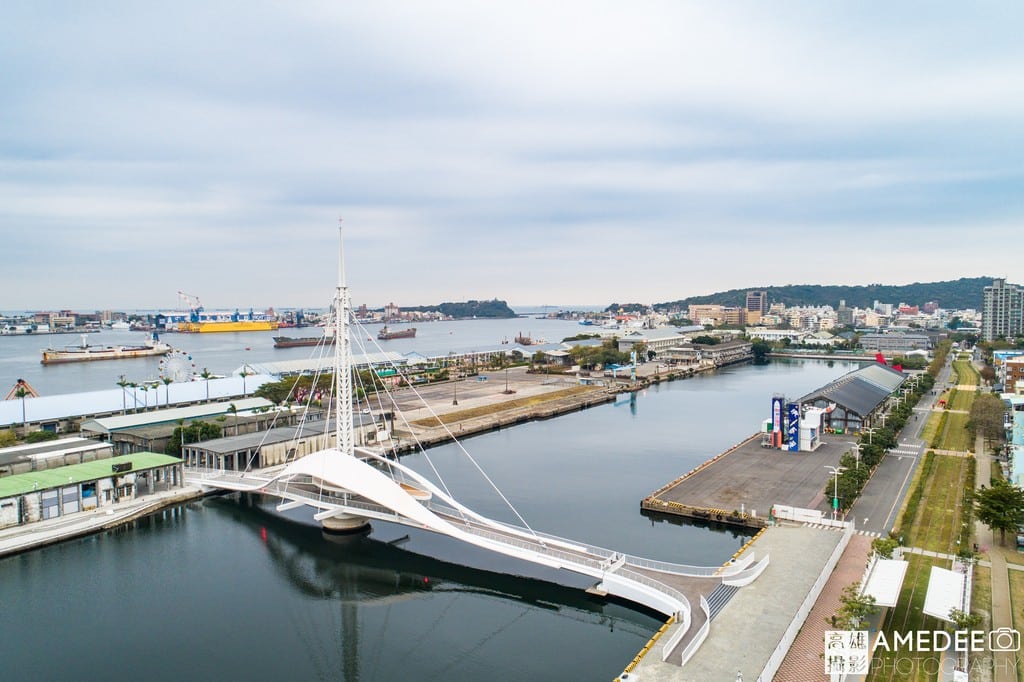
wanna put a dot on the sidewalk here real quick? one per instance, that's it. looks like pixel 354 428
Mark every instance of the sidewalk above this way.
pixel 33 535
pixel 804 659
pixel 1005 661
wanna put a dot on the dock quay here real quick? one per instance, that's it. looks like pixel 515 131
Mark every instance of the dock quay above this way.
pixel 22 538
pixel 740 485
pixel 754 629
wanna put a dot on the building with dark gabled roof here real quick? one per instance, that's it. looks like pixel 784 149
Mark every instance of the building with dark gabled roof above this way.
pixel 854 400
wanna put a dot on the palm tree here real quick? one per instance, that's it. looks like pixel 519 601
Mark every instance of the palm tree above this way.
pixel 145 395
pixel 167 389
pixel 245 373
pixel 124 397
pixel 234 410
pixel 21 392
pixel 206 374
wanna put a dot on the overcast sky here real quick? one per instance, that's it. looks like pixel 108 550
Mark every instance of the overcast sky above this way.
pixel 542 153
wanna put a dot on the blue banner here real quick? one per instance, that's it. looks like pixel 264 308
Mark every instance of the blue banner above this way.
pixel 793 426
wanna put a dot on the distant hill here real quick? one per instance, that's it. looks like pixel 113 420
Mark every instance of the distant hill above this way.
pixel 493 309
pixel 965 292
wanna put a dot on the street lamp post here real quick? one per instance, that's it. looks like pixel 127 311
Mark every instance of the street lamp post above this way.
pixel 870 431
pixel 856 452
pixel 835 497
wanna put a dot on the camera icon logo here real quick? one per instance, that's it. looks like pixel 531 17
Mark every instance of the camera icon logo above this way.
pixel 1004 639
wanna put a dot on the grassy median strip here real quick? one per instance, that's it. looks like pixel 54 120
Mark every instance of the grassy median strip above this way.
pixel 934 513
pixel 485 410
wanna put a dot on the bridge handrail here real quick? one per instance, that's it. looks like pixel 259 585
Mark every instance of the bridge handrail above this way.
pixel 651 582
pixel 675 569
pixel 698 637
pixel 533 546
pixel 633 560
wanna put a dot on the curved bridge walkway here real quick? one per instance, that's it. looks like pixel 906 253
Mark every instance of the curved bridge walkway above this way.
pixel 665 587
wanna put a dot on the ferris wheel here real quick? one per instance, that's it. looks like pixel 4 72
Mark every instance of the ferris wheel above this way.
pixel 177 366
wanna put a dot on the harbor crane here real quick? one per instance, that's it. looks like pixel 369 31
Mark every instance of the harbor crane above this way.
pixel 191 301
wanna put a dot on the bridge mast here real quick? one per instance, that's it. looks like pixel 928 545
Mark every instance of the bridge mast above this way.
pixel 342 356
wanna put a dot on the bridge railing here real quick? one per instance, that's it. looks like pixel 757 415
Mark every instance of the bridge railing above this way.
pixel 651 582
pixel 676 569
pixel 698 637
pixel 534 546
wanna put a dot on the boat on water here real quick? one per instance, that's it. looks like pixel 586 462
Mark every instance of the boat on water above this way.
pixel 228 326
pixel 87 353
pixel 386 334
pixel 295 342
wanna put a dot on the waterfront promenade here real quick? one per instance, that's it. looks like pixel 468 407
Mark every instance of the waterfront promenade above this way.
pixel 752 629
pixel 31 536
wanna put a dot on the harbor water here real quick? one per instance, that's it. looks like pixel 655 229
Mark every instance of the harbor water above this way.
pixel 224 353
pixel 228 588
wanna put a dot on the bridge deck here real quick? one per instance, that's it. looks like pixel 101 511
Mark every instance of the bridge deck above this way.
pixel 685 584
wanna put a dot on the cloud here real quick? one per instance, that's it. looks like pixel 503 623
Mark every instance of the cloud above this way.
pixel 583 152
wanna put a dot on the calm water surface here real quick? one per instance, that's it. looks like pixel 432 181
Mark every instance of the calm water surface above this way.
pixel 225 588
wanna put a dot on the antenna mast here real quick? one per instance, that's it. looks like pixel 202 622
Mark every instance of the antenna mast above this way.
pixel 342 356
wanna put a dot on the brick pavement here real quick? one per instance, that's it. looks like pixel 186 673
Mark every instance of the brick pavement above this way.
pixel 803 663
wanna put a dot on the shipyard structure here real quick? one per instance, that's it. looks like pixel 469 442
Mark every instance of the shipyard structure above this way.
pixel 198 320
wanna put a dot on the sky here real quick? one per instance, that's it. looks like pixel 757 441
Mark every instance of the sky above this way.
pixel 541 153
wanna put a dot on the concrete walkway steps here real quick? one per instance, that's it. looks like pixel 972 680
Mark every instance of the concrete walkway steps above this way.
pixel 719 598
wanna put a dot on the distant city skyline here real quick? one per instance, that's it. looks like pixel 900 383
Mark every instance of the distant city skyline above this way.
pixel 583 153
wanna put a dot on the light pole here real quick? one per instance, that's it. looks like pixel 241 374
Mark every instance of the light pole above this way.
pixel 870 431
pixel 856 452
pixel 835 497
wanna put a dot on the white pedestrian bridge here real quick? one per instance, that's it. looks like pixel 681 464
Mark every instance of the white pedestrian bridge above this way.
pixel 370 486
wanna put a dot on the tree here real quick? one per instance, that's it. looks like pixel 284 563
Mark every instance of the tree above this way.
pixel 206 374
pixel 1000 507
pixel 233 410
pixel 854 608
pixel 191 433
pixel 884 547
pixel 41 436
pixel 761 349
pixel 987 416
pixel 123 383
pixel 706 340
pixel 8 438
pixel 167 390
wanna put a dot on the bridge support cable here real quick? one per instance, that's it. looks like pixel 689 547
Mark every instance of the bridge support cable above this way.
pixel 457 442
pixel 362 330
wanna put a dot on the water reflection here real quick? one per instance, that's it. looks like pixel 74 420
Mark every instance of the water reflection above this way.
pixel 364 570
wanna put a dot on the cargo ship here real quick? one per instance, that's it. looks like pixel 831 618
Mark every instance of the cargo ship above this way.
pixel 386 334
pixel 198 320
pixel 228 326
pixel 87 353
pixel 295 342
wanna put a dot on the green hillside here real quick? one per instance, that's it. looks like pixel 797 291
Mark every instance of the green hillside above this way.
pixel 965 292
pixel 494 308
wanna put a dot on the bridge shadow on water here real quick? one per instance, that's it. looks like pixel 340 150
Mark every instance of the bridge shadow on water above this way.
pixel 360 568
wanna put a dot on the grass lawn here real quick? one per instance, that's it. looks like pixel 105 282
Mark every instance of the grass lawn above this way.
pixel 966 374
pixel 906 617
pixel 937 523
pixel 956 436
pixel 981 604
pixel 962 400
pixel 1017 608
pixel 485 410
pixel 931 427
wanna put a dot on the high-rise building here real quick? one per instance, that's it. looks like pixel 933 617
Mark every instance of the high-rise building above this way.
pixel 758 300
pixel 1002 314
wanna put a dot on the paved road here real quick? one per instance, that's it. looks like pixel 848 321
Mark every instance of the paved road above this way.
pixel 877 507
